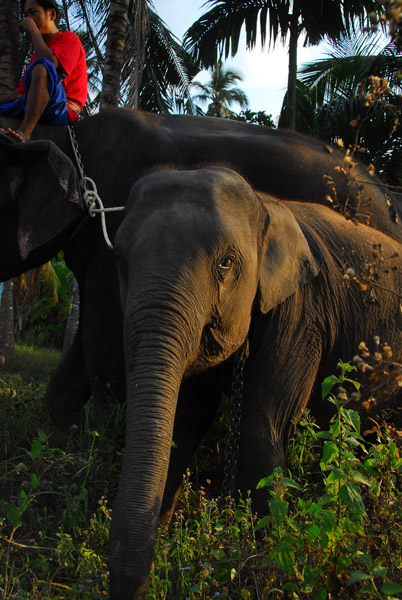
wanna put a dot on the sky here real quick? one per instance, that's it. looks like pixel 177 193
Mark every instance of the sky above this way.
pixel 264 72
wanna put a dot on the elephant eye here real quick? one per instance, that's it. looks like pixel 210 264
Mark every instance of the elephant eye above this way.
pixel 226 263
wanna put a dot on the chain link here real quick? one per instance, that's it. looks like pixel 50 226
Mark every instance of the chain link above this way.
pixel 77 154
pixel 236 400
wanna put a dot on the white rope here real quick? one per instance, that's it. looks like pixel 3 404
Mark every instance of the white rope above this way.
pixel 90 194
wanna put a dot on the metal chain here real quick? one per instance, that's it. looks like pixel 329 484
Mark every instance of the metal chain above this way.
pixel 236 400
pixel 90 193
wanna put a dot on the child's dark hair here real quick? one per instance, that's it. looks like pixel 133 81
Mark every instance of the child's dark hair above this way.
pixel 47 5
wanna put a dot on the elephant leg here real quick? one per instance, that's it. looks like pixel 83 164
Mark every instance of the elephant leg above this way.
pixel 69 387
pixel 271 405
pixel 196 409
pixel 102 332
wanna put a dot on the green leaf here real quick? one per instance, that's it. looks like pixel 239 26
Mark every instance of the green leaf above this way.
pixel 360 478
pixel 34 481
pixel 389 587
pixel 320 594
pixel 265 482
pixel 264 522
pixel 279 510
pixel 36 450
pixel 329 452
pixel 308 575
pixel 323 435
pixel 328 384
pixel 336 475
pixel 22 499
pixel 357 576
pixel 357 384
pixel 379 571
pixel 313 531
pixel 346 367
pixel 335 428
pixel 14 514
pixel 365 560
pixel 286 482
pixel 283 556
pixel 350 494
pixel 352 418
pixel 42 436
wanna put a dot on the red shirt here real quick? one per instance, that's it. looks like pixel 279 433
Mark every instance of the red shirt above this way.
pixel 68 50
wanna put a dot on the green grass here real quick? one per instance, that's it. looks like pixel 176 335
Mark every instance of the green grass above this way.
pixel 32 362
pixel 332 528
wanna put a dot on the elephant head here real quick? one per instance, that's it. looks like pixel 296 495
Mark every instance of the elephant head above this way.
pixel 40 204
pixel 197 252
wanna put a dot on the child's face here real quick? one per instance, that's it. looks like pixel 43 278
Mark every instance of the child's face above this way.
pixel 44 18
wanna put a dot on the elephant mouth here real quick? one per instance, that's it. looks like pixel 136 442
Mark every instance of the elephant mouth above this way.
pixel 214 350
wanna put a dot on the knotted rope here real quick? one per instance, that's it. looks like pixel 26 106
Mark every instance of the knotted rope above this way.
pixel 91 198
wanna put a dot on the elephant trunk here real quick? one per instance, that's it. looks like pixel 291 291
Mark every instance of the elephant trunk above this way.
pixel 155 362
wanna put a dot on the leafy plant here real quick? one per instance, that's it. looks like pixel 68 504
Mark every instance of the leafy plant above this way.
pixel 332 525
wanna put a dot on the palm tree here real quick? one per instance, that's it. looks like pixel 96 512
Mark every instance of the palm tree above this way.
pixel 114 55
pixel 347 63
pixel 218 30
pixel 331 86
pixel 8 81
pixel 220 91
pixel 136 61
pixel 8 46
pixel 7 341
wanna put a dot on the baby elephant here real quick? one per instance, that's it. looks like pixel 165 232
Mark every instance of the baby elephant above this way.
pixel 206 263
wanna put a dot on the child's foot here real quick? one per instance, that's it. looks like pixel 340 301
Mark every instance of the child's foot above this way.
pixel 15 135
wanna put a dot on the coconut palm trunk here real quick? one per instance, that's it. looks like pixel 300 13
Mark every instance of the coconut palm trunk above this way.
pixel 7 345
pixel 115 43
pixel 8 46
pixel 292 72
pixel 8 71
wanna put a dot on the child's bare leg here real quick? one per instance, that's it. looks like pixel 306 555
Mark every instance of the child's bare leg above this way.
pixel 37 99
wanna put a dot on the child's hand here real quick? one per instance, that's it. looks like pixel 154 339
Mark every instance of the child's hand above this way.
pixel 28 25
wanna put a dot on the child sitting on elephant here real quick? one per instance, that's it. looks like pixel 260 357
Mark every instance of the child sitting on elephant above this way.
pixel 53 88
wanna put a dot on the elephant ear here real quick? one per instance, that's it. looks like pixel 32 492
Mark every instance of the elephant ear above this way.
pixel 43 194
pixel 287 260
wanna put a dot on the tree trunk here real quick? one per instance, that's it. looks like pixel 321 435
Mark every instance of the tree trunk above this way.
pixel 115 43
pixel 140 31
pixel 8 79
pixel 72 321
pixel 8 45
pixel 7 346
pixel 290 119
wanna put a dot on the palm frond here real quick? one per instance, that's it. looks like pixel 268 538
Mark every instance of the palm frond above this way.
pixel 166 66
pixel 218 30
pixel 347 63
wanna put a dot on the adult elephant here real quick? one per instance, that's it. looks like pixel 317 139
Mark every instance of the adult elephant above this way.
pixel 117 148
pixel 206 263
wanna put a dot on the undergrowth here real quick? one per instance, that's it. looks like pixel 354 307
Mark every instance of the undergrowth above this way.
pixel 332 528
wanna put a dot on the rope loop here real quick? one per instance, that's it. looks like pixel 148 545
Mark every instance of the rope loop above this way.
pixel 90 195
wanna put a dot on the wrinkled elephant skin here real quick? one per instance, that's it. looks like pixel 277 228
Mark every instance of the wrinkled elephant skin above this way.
pixel 204 263
pixel 117 148
pixel 30 233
